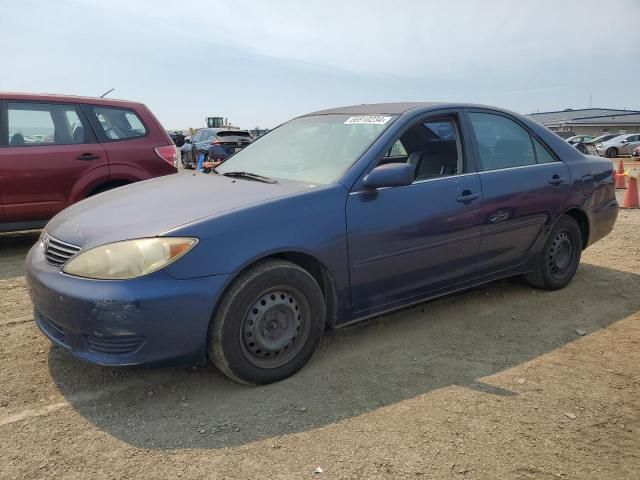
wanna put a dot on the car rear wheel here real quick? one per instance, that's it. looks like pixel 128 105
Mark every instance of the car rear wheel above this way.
pixel 268 324
pixel 612 152
pixel 557 263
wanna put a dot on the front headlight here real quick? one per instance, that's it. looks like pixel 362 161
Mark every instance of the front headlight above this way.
pixel 128 259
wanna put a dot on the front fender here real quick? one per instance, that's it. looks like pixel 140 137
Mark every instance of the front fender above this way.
pixel 312 223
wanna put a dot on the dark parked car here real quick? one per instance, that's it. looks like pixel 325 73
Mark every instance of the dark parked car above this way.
pixel 214 143
pixel 331 218
pixel 56 150
pixel 177 138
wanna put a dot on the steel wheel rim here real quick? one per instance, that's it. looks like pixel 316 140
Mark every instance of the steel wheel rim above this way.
pixel 560 254
pixel 275 327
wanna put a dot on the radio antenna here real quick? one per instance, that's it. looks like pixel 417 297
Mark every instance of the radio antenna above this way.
pixel 107 93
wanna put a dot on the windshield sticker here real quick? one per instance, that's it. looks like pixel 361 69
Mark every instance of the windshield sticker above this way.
pixel 367 120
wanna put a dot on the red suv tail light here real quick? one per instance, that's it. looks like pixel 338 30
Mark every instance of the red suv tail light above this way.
pixel 168 153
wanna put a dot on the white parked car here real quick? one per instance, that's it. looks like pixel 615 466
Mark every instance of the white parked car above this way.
pixel 620 145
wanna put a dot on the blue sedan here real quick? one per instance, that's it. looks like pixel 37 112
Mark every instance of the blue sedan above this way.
pixel 331 218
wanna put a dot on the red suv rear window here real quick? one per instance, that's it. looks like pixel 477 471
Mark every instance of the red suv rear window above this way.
pixel 119 123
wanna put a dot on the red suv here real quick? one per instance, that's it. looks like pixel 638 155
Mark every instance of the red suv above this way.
pixel 56 150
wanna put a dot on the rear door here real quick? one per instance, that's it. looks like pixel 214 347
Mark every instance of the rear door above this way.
pixel 633 142
pixel 130 136
pixel 524 186
pixel 51 159
pixel 4 141
pixel 193 150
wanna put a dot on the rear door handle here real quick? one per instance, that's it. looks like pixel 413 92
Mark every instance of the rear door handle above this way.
pixel 557 180
pixel 468 197
pixel 88 156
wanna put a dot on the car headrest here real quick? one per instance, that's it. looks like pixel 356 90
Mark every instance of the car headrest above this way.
pixel 17 139
pixel 78 135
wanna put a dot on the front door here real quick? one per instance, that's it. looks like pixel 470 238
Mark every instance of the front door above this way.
pixel 51 153
pixel 407 241
pixel 523 187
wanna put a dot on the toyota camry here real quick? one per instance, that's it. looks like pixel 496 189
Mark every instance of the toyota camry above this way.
pixel 333 217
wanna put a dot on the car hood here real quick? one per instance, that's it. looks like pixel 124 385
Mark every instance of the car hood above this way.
pixel 152 207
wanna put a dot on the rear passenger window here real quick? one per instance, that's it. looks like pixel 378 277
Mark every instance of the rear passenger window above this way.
pixel 542 154
pixel 119 123
pixel 33 124
pixel 502 143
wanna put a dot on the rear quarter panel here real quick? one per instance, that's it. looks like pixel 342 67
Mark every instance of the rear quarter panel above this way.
pixel 594 193
pixel 592 185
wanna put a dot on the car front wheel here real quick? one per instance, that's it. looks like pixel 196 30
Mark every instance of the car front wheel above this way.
pixel 612 152
pixel 557 263
pixel 268 324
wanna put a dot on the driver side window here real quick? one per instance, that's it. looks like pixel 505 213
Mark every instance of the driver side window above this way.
pixel 432 146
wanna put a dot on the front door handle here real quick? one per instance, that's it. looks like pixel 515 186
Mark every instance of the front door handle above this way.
pixel 88 156
pixel 557 180
pixel 468 197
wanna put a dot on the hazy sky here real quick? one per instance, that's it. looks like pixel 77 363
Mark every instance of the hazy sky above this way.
pixel 262 62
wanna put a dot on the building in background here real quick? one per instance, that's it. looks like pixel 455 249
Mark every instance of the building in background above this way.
pixel 258 132
pixel 589 121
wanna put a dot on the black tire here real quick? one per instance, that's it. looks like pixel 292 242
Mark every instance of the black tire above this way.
pixel 182 160
pixel 557 263
pixel 268 324
pixel 611 152
pixel 581 148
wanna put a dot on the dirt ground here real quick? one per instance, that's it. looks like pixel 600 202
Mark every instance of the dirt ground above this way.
pixel 502 382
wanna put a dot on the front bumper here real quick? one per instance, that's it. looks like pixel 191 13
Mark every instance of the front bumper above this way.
pixel 123 322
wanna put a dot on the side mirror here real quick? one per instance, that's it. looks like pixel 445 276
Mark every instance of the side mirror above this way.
pixel 390 175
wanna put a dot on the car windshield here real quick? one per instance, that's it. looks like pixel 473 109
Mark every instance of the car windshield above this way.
pixel 315 149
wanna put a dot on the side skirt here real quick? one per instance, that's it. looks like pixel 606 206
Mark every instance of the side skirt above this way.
pixel 441 292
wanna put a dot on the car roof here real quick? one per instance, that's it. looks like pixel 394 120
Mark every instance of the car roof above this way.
pixel 51 97
pixel 222 129
pixel 397 108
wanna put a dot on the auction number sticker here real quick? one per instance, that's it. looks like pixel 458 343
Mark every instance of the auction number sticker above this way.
pixel 367 120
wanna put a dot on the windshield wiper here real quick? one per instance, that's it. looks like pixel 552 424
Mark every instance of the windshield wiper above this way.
pixel 250 176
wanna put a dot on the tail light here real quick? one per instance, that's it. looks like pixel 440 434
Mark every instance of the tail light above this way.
pixel 168 153
pixel 215 142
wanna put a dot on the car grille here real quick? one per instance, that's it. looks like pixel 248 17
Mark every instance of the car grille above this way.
pixel 56 251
